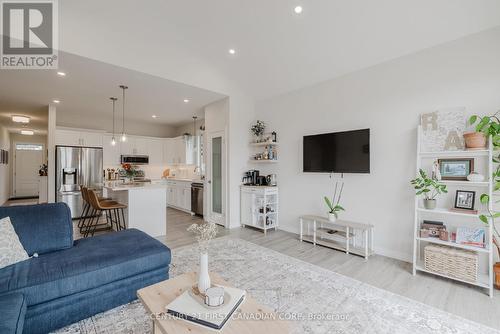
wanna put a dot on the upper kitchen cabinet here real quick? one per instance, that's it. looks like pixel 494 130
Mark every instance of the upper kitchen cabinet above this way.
pixel 178 150
pixel 135 146
pixel 111 154
pixel 155 151
pixel 78 138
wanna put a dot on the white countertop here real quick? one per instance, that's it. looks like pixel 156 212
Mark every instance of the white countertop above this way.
pixel 119 186
pixel 183 179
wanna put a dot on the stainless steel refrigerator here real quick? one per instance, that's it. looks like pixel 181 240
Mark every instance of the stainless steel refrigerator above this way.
pixel 77 166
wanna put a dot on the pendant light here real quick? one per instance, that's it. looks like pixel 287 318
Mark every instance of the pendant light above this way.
pixel 124 136
pixel 113 140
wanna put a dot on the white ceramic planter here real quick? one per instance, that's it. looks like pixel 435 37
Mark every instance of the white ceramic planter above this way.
pixel 203 277
pixel 332 217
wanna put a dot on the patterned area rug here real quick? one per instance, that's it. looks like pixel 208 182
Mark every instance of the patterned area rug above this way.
pixel 320 300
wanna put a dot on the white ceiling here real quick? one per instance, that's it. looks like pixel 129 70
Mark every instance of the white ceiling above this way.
pixel 85 91
pixel 277 51
pixel 38 118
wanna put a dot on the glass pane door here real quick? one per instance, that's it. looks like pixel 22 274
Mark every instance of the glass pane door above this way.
pixel 217 175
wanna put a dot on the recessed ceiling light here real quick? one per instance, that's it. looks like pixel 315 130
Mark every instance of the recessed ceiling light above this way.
pixel 27 132
pixel 154 116
pixel 297 9
pixel 232 51
pixel 56 101
pixel 61 74
pixel 20 119
pixel 186 100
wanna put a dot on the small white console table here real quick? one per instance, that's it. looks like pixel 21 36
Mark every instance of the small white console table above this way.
pixel 346 236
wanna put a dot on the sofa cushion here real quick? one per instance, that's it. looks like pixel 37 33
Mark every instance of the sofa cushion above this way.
pixel 92 262
pixel 11 250
pixel 41 228
pixel 12 312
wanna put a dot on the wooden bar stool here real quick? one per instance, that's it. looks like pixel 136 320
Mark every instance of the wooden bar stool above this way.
pixel 110 209
pixel 88 212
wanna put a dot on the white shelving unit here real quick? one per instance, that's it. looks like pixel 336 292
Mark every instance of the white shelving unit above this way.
pixel 485 275
pixel 255 203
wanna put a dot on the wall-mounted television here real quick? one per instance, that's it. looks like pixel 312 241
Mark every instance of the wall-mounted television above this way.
pixel 337 152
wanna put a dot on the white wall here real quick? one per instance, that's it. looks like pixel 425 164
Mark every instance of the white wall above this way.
pixel 388 99
pixel 188 128
pixel 4 168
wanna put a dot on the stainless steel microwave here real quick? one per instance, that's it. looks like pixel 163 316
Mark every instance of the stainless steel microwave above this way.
pixel 135 159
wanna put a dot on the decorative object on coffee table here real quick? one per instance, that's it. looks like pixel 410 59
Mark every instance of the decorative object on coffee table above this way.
pixel 456 169
pixel 204 233
pixel 464 199
pixel 157 296
pixel 428 188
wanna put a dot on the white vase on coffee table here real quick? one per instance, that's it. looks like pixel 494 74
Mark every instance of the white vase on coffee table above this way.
pixel 203 276
pixel 332 217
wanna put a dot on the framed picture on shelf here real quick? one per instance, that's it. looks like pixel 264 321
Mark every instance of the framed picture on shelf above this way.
pixel 464 199
pixel 455 169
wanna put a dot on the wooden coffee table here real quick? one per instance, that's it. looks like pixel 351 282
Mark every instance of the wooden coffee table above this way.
pixel 157 296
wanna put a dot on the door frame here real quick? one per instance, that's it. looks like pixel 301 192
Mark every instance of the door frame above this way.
pixel 13 171
pixel 221 219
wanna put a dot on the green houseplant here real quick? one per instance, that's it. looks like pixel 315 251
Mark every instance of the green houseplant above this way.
pixel 428 188
pixel 333 204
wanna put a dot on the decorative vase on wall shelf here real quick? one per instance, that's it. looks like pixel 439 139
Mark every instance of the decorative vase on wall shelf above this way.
pixel 332 217
pixel 475 140
pixel 203 276
pixel 430 204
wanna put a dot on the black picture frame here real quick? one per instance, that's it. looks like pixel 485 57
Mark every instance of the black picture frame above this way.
pixel 465 199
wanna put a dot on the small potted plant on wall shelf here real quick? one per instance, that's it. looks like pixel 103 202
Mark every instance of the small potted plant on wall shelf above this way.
pixel 428 188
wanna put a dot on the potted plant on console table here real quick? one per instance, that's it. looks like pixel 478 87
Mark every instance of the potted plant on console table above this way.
pixel 429 188
pixel 333 205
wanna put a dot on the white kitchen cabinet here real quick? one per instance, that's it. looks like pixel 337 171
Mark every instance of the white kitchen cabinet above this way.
pixel 155 151
pixel 111 154
pixel 179 195
pixel 141 146
pixel 78 138
pixel 178 150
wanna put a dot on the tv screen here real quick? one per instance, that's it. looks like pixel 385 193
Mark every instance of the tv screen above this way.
pixel 337 152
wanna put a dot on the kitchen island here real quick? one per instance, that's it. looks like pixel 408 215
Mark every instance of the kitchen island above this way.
pixel 146 205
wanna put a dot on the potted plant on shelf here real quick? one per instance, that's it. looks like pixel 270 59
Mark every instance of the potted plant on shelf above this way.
pixel 429 188
pixel 476 140
pixel 490 126
pixel 258 129
pixel 333 205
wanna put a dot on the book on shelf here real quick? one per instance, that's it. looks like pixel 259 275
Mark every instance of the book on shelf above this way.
pixel 471 236
pixel 471 212
pixel 188 308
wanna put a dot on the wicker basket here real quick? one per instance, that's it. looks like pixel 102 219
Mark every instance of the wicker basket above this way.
pixel 452 262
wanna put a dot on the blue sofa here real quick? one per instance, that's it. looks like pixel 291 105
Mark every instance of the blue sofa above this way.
pixel 72 280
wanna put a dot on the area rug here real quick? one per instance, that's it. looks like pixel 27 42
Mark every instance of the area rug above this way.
pixel 318 300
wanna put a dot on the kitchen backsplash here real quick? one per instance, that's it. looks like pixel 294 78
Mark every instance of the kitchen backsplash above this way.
pixel 156 171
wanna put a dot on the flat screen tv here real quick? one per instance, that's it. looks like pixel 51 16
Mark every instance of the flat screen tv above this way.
pixel 337 152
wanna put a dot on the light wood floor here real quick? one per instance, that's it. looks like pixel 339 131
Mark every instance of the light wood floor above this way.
pixel 379 271
pixel 382 272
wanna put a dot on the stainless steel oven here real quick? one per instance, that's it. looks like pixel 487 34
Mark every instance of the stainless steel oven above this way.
pixel 197 198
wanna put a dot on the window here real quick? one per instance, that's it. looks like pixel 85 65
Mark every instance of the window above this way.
pixel 29 147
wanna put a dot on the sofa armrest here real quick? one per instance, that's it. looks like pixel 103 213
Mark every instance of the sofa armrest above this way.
pixel 12 313
pixel 41 228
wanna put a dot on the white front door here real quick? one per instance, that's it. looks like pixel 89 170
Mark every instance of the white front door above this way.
pixel 216 178
pixel 27 161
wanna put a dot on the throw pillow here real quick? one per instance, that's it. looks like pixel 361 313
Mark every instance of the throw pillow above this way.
pixel 11 249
